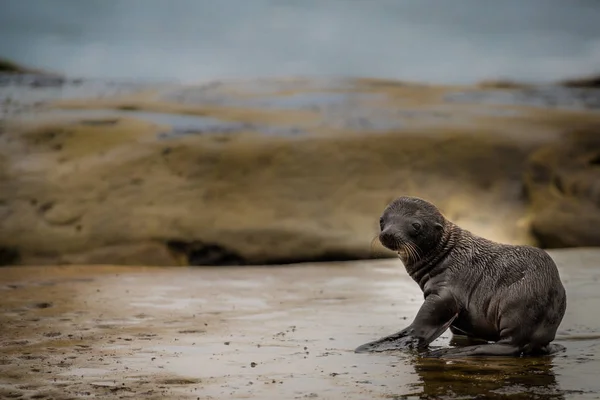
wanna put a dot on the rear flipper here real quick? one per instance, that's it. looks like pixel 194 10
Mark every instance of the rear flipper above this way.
pixel 548 350
pixel 493 349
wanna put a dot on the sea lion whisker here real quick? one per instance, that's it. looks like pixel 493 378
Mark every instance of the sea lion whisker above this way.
pixel 419 252
pixel 409 250
pixel 402 246
pixel 416 251
pixel 406 251
pixel 416 256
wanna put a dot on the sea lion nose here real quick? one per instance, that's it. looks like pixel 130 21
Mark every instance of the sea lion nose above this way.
pixel 387 238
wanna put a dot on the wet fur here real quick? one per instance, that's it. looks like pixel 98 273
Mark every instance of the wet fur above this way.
pixel 497 292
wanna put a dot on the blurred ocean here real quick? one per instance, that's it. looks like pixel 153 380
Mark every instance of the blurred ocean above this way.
pixel 438 41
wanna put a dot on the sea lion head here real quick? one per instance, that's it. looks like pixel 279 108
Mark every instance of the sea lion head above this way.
pixel 411 227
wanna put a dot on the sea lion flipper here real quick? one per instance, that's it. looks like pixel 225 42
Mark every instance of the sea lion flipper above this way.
pixel 398 340
pixel 434 317
pixel 491 349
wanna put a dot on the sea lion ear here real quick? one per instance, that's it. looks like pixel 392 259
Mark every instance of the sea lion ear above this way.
pixel 439 226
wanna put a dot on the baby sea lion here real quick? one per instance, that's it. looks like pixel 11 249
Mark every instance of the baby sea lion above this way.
pixel 511 297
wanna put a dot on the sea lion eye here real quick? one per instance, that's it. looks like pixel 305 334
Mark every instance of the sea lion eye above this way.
pixel 416 225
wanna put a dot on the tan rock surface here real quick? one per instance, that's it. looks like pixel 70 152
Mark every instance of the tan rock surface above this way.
pixel 564 182
pixel 261 172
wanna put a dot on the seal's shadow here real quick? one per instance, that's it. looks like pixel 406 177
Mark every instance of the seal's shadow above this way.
pixel 484 377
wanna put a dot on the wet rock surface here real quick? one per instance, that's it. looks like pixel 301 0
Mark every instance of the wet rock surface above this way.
pixel 262 332
pixel 553 96
pixel 269 171
pixel 564 182
pixel 26 94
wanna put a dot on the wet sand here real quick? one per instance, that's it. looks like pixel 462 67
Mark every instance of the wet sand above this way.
pixel 262 332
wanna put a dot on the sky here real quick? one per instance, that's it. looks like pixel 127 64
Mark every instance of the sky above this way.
pixel 437 41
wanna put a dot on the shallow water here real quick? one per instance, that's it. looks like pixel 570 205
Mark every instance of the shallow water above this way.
pixel 247 106
pixel 178 124
pixel 269 333
pixel 542 96
pixel 24 94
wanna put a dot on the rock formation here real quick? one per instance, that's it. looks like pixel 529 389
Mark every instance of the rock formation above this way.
pixel 284 171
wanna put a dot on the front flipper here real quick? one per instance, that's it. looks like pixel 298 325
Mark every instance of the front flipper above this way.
pixel 434 317
pixel 399 340
pixel 491 349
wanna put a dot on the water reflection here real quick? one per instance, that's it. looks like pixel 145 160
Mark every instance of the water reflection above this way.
pixel 489 378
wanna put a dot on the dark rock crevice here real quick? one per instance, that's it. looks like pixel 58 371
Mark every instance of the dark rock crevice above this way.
pixel 9 256
pixel 197 253
pixel 595 161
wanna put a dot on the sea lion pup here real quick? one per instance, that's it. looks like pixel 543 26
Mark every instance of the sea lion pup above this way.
pixel 505 294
